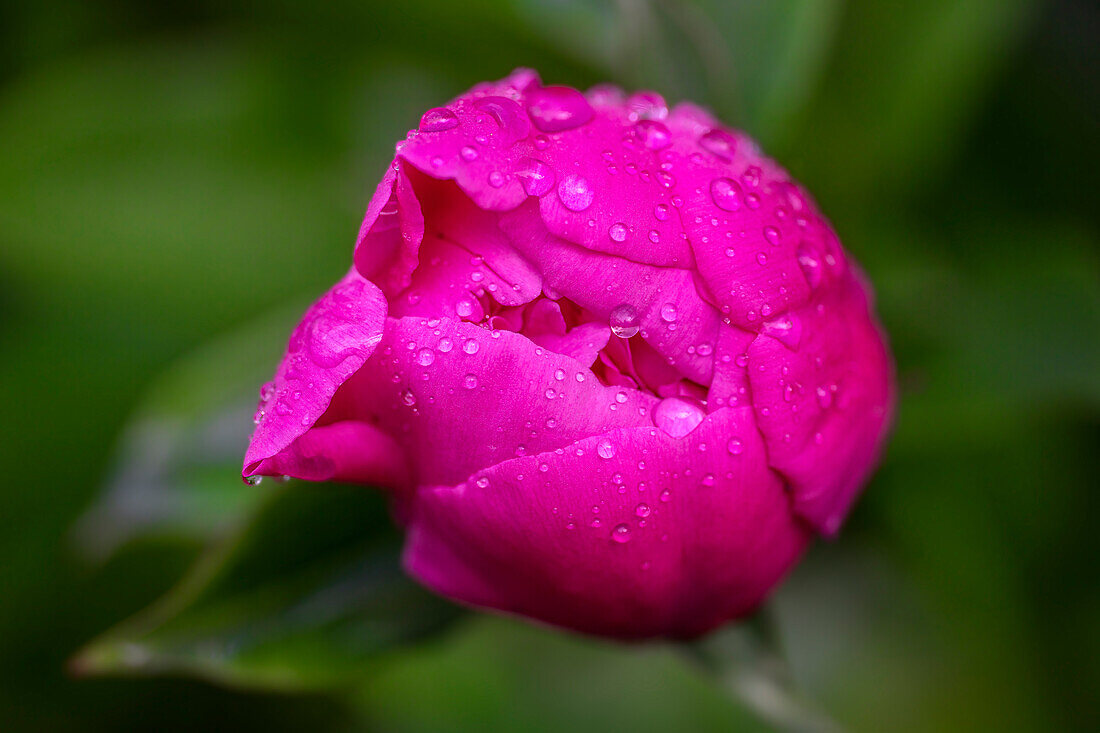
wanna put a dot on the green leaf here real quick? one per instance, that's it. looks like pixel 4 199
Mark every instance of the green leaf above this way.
pixel 903 84
pixel 177 470
pixel 303 597
pixel 754 63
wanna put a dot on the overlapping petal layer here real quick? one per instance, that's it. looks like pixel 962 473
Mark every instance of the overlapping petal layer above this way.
pixel 610 358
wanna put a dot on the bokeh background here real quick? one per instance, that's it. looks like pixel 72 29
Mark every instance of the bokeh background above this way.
pixel 177 179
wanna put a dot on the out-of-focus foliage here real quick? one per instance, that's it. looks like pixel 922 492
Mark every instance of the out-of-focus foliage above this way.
pixel 177 179
pixel 303 596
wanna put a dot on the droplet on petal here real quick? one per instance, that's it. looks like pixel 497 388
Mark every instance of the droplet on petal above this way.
pixel 647 106
pixel 719 143
pixel 575 193
pixel 653 134
pixel 726 194
pixel 557 108
pixel 810 262
pixel 438 119
pixel 624 321
pixel 536 176
pixel 678 416
pixel 787 329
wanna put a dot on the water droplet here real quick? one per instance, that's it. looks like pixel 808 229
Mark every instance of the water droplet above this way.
pixel 810 262
pixel 772 235
pixel 624 321
pixel 506 113
pixel 536 176
pixel 678 416
pixel 438 119
pixel 471 346
pixel 708 480
pixel 408 398
pixel 735 446
pixel 575 193
pixel 618 232
pixel 726 194
pixel 668 312
pixel 605 449
pixel 647 106
pixel 665 495
pixel 496 179
pixel 642 510
pixel 267 391
pixel 468 154
pixel 704 349
pixel 653 134
pixel 464 308
pixel 660 212
pixel 470 381
pixel 787 329
pixel 620 534
pixel 482 482
pixel 425 357
pixel 557 108
pixel 719 143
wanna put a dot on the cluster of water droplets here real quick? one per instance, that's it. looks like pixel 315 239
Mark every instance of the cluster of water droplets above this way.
pixel 777 235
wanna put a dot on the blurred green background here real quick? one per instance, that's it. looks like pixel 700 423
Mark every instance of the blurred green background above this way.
pixel 177 179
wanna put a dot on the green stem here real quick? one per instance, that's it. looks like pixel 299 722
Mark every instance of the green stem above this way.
pixel 746 661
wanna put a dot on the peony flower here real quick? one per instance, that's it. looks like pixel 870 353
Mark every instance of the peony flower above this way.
pixel 610 361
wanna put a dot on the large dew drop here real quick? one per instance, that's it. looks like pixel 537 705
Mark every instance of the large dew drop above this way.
pixel 556 108
pixel 719 143
pixel 678 416
pixel 726 194
pixel 653 134
pixel 536 176
pixel 438 119
pixel 575 192
pixel 624 321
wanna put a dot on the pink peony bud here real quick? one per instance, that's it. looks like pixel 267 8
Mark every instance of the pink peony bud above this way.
pixel 611 361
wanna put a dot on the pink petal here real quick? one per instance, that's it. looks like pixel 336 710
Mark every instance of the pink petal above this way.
pixel 597 181
pixel 823 408
pixel 582 343
pixel 730 386
pixel 629 534
pixel 674 319
pixel 349 451
pixel 389 238
pixel 745 219
pixel 333 340
pixel 458 397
